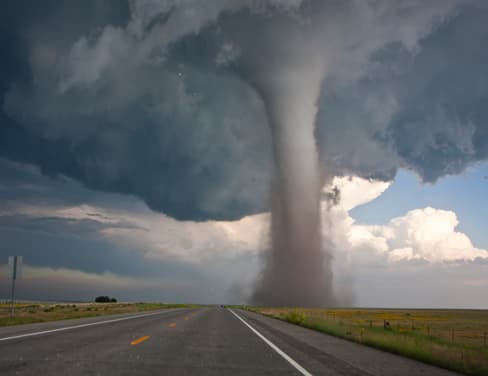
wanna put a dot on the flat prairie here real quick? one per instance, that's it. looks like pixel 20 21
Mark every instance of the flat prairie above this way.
pixel 26 313
pixel 452 339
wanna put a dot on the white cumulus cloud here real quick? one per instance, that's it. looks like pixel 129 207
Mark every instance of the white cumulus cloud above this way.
pixel 427 234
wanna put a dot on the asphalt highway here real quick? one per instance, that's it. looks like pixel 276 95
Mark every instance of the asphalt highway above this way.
pixel 203 341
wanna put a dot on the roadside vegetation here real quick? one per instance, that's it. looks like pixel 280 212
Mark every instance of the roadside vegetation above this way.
pixel 452 339
pixel 105 299
pixel 26 313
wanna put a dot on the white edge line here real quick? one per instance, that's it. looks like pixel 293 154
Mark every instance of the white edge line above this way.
pixel 302 370
pixel 83 325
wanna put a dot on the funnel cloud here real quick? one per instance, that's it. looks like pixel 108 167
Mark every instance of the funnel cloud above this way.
pixel 296 271
pixel 286 64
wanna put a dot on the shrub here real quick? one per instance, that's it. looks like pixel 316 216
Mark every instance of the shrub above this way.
pixel 105 299
pixel 295 317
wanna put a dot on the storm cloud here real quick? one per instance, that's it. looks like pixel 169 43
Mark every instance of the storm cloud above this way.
pixel 144 97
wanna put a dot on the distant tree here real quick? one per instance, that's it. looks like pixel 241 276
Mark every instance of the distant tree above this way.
pixel 103 299
pixel 113 300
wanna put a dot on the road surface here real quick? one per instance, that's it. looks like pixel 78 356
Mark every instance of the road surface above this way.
pixel 204 341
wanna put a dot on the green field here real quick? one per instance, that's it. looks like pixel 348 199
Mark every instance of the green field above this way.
pixel 26 313
pixel 452 339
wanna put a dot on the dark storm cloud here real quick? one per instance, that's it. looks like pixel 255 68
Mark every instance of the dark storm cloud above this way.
pixel 185 141
pixel 426 111
pixel 446 91
pixel 48 240
pixel 26 22
pixel 143 99
pixel 22 183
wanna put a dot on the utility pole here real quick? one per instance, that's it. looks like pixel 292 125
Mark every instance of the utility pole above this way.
pixel 15 269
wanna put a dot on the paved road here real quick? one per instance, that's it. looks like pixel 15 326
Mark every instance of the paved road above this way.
pixel 205 341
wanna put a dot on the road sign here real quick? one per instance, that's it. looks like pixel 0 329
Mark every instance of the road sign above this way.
pixel 15 267
pixel 15 272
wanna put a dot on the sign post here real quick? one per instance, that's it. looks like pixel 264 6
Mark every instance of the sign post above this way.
pixel 15 271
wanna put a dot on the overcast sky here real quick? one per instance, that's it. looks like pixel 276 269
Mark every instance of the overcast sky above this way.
pixel 136 156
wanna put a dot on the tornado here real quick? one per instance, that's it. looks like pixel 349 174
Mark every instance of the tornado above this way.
pixel 284 56
pixel 296 270
pixel 285 61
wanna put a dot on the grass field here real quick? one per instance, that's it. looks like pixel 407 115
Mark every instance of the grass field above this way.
pixel 452 339
pixel 29 313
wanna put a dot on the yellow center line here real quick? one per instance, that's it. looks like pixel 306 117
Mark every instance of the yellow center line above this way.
pixel 139 340
pixel 172 325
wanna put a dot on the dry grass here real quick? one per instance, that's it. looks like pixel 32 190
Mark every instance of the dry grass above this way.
pixel 453 339
pixel 30 313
